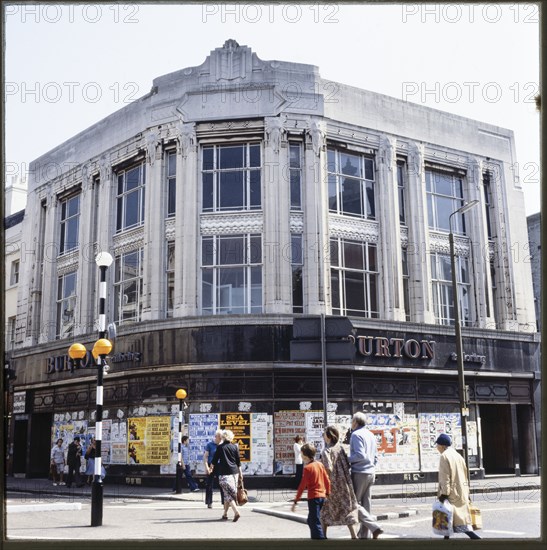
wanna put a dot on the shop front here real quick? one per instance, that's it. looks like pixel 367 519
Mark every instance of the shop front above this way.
pixel 241 377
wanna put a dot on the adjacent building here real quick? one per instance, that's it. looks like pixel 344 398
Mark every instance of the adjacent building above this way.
pixel 241 195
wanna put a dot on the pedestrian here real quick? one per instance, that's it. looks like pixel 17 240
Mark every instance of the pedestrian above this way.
pixel 208 455
pixel 58 462
pixel 453 486
pixel 227 465
pixel 298 464
pixel 73 458
pixel 363 459
pixel 316 480
pixel 342 508
pixel 192 485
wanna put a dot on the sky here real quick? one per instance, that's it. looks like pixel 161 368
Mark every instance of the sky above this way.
pixel 68 66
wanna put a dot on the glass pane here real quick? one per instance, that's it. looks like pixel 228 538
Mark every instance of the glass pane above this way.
pixel 294 156
pixel 207 291
pixel 353 256
pixel 63 210
pixel 335 288
pixel 255 253
pixel 297 292
pixel 131 209
pixel 172 198
pixel 254 155
pixel 119 214
pixel 172 165
pixel 332 193
pixel 208 191
pixel 371 205
pixel 404 259
pixel 71 228
pixel 296 249
pixel 464 270
pixel 372 265
pixel 59 288
pixel 255 201
pixel 334 259
pixel 231 251
pixel 120 184
pixel 170 257
pixel 256 289
pixel 331 161
pixel 231 157
pixel 445 267
pixel 445 207
pixel 73 206
pixel 443 184
pixel 231 290
pixel 207 251
pixel 351 197
pixel 354 291
pixel 129 300
pixel 402 218
pixel 458 187
pixel 132 178
pixel 231 190
pixel 70 285
pixel 373 292
pixel 430 214
pixel 350 165
pixel 295 189
pixel 369 169
pixel 433 259
pixel 208 158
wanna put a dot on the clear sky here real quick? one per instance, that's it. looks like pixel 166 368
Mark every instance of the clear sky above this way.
pixel 69 65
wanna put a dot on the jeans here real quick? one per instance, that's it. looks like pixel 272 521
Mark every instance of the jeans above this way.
pixel 192 485
pixel 314 521
pixel 73 475
pixel 209 489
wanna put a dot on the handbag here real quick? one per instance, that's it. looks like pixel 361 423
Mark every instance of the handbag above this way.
pixel 476 517
pixel 242 497
pixel 442 523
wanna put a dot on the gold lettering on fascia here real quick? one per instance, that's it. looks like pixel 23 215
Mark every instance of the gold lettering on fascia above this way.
pixel 380 346
pixel 62 363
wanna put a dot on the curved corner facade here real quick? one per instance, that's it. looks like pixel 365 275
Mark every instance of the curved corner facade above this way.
pixel 241 195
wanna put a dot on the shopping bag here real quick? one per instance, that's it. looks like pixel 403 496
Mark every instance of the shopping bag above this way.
pixel 476 517
pixel 442 518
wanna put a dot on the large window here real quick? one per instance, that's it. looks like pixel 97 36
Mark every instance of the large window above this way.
pixel 170 276
pixel 444 196
pixel 128 287
pixel 354 278
pixel 296 266
pixel 171 177
pixel 130 198
pixel 231 279
pixel 66 302
pixel 295 175
pixel 443 300
pixel 231 177
pixel 70 220
pixel 351 184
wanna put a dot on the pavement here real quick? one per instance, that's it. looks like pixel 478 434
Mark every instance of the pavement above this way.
pixel 389 501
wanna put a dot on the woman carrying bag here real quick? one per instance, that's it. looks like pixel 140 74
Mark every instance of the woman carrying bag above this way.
pixel 227 465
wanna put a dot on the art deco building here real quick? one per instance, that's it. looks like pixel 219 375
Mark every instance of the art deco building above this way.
pixel 238 196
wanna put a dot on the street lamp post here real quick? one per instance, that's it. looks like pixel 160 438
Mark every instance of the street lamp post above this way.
pixel 181 395
pixel 100 350
pixel 462 389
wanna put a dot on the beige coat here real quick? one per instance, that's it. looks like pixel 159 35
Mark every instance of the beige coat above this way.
pixel 453 483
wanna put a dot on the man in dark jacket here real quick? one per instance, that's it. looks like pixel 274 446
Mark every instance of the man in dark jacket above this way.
pixel 73 460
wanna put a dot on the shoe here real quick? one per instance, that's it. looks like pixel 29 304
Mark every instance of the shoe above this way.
pixel 62 483
pixel 224 518
pixel 196 490
pixel 209 505
pixel 236 517
pixel 377 533
pixel 55 485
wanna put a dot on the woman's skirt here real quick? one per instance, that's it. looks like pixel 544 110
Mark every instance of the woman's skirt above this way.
pixel 228 485
pixel 90 468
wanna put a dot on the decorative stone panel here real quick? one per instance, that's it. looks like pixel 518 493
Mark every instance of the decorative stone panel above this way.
pixel 230 224
pixel 128 241
pixel 439 242
pixel 353 228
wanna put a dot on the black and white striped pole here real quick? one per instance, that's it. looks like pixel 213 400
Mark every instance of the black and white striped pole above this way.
pixel 100 350
pixel 181 395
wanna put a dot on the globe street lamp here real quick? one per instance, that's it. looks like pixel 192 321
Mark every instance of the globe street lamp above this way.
pixel 101 349
pixel 181 396
pixel 462 389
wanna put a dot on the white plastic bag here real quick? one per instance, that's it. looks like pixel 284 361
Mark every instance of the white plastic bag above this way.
pixel 442 518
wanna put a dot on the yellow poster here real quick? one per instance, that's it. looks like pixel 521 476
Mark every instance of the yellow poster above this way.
pixel 149 440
